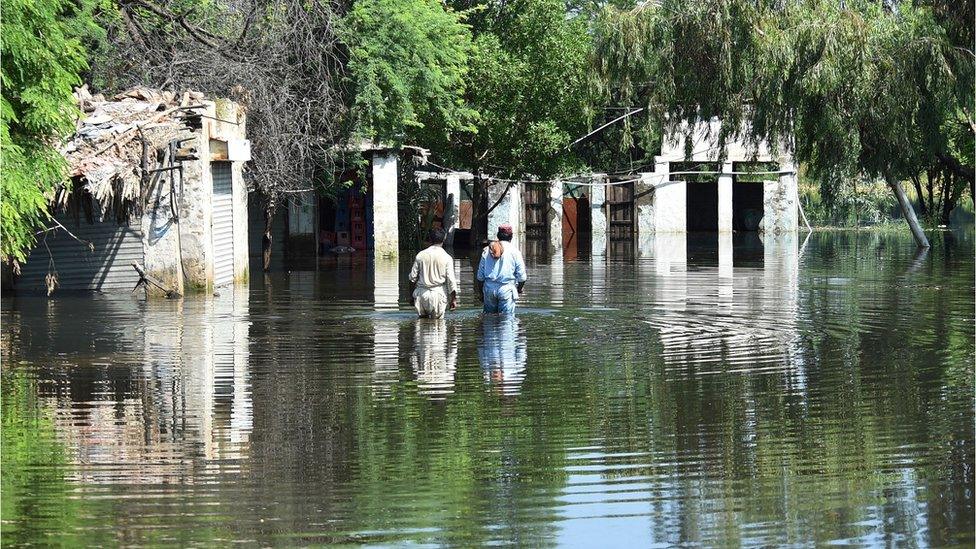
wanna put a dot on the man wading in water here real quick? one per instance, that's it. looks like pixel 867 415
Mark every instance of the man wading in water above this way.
pixel 432 280
pixel 501 273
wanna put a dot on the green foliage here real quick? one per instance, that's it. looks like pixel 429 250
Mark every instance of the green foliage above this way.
pixel 852 87
pixel 530 86
pixel 42 56
pixel 407 63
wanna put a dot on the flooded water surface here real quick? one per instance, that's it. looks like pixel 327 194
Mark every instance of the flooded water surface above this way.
pixel 803 393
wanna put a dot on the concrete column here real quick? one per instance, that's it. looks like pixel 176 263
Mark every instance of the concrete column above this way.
pixel 555 218
pixel 644 210
pixel 241 238
pixel 196 213
pixel 780 213
pixel 725 199
pixel 598 215
pixel 386 228
pixel 507 209
pixel 452 207
pixel 161 239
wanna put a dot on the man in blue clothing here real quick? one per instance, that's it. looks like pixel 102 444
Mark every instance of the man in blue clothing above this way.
pixel 501 273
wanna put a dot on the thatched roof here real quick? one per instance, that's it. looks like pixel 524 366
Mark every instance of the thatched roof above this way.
pixel 105 153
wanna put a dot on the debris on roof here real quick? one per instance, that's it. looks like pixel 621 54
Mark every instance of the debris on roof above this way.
pixel 105 153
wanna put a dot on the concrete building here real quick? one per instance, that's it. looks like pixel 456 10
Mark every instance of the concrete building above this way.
pixel 156 180
pixel 363 216
pixel 751 189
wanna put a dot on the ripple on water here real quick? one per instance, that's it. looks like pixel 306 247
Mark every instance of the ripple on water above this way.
pixel 674 399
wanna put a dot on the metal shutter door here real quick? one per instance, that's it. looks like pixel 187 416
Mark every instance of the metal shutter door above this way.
pixel 108 268
pixel 223 223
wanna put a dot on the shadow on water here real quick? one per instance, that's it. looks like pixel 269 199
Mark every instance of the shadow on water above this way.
pixel 759 391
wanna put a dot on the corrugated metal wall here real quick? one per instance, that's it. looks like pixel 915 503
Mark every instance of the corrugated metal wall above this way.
pixel 107 269
pixel 223 222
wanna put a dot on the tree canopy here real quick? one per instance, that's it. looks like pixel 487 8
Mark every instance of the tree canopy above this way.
pixel 42 57
pixel 858 87
pixel 408 63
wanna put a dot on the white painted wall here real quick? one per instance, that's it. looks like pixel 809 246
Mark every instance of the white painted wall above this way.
pixel 386 240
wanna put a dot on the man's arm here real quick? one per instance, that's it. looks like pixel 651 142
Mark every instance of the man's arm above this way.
pixel 414 275
pixel 520 276
pixel 452 282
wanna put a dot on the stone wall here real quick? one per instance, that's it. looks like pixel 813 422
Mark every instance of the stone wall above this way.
pixel 196 214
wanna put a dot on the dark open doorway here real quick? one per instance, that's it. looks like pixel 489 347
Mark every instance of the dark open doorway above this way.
pixel 701 210
pixel 747 195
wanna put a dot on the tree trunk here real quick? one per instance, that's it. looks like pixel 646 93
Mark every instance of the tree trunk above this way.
pixel 922 207
pixel 909 212
pixel 479 213
pixel 266 241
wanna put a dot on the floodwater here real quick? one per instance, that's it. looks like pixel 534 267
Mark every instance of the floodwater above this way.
pixel 804 393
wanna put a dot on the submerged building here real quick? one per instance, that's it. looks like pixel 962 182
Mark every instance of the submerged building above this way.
pixel 695 187
pixel 156 180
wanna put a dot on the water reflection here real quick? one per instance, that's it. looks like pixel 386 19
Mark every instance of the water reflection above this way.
pixel 434 359
pixel 502 352
pixel 804 398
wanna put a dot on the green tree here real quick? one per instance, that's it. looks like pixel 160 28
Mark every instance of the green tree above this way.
pixel 42 57
pixel 529 83
pixel 408 61
pixel 852 88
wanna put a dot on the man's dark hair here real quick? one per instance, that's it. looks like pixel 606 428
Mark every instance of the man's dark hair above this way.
pixel 507 237
pixel 436 236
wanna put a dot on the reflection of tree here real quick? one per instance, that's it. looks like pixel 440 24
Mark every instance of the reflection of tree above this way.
pixel 875 439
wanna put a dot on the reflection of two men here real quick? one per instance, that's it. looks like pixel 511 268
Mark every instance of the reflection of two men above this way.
pixel 501 353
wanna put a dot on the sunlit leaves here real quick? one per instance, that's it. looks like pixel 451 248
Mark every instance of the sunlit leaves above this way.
pixel 408 62
pixel 41 60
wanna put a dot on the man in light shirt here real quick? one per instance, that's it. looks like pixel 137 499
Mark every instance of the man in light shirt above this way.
pixel 501 273
pixel 433 285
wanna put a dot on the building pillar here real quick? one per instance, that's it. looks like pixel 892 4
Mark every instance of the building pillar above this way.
pixel 725 199
pixel 507 210
pixel 555 219
pixel 644 211
pixel 161 240
pixel 598 215
pixel 669 199
pixel 452 208
pixel 780 214
pixel 386 241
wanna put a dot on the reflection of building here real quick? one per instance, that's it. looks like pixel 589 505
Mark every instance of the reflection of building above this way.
pixel 502 352
pixel 721 314
pixel 191 403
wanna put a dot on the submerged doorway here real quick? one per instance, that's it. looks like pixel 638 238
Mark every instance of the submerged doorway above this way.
pixel 701 203
pixel 701 210
pixel 747 195
pixel 576 221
